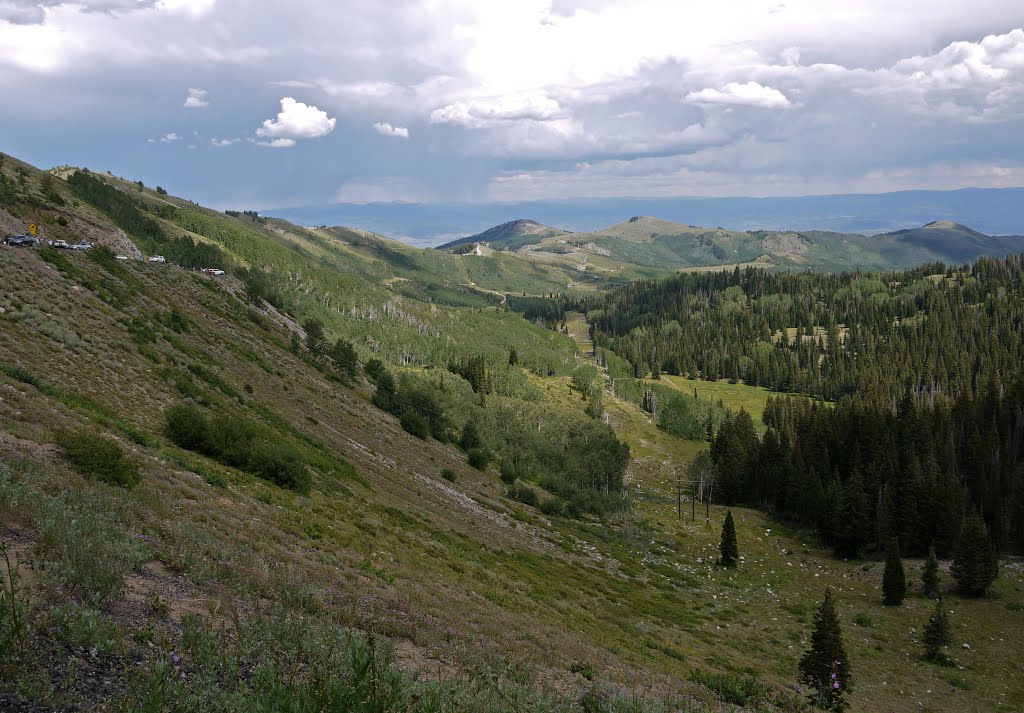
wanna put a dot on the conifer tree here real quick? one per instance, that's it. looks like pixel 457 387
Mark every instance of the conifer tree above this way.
pixel 728 548
pixel 975 566
pixel 470 436
pixel 930 576
pixel 513 357
pixel 343 354
pixel 894 581
pixel 825 666
pixel 936 635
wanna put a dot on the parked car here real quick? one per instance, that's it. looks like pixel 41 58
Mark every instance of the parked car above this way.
pixel 212 271
pixel 25 241
pixel 59 244
pixel 157 258
pixel 120 257
pixel 82 246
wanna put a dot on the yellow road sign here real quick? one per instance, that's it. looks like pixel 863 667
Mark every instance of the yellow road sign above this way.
pixel 33 229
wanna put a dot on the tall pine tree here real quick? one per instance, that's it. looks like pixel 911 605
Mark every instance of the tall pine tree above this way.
pixel 894 581
pixel 728 548
pixel 825 666
pixel 975 566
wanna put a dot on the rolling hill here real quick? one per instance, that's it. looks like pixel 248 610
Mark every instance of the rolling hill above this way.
pixel 508 236
pixel 650 247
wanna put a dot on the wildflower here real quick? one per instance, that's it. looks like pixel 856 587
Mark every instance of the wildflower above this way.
pixel 176 659
pixel 836 685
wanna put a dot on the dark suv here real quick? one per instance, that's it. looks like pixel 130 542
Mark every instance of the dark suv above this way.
pixel 22 240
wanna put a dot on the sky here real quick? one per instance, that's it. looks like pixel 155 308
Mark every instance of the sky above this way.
pixel 259 105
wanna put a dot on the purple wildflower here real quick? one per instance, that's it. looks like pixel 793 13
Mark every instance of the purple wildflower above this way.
pixel 836 685
pixel 176 659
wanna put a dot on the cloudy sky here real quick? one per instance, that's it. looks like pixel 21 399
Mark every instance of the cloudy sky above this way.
pixel 250 104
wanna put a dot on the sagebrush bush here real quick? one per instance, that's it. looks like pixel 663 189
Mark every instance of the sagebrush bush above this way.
pixel 99 458
pixel 240 444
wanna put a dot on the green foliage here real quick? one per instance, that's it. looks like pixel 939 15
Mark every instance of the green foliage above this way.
pixel 22 375
pixel 583 668
pixel 930 574
pixel 975 565
pixel 385 396
pixel 373 368
pixel 415 423
pixel 479 458
pixel 825 666
pixel 121 208
pixel 738 690
pixel 240 444
pixel 98 457
pixel 82 549
pixel 936 635
pixel 684 416
pixel 524 494
pixel 192 254
pixel 13 608
pixel 343 354
pixel 727 548
pixel 470 438
pixel 894 581
pixel 261 286
pixel 314 330
pixel 448 474
pixel 476 371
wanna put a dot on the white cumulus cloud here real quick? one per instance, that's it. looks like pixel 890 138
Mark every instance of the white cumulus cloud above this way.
pixel 481 113
pixel 295 121
pixel 385 129
pixel 196 99
pixel 749 94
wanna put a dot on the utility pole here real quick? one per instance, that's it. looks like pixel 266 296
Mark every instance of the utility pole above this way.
pixel 693 500
pixel 679 499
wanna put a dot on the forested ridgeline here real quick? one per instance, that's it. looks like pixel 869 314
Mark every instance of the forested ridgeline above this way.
pixel 862 472
pixel 936 330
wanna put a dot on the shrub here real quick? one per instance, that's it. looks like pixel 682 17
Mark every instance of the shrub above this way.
pixel 240 444
pixel 583 668
pixel 415 424
pixel 552 507
pixel 187 427
pixel 524 494
pixel 479 458
pixel 508 472
pixel 730 687
pixel 448 474
pixel 99 458
pixel 19 374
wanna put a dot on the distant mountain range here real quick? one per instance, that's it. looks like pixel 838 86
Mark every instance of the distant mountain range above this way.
pixel 649 247
pixel 993 211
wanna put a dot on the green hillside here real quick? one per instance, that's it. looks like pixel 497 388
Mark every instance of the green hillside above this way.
pixel 512 235
pixel 245 530
pixel 646 247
